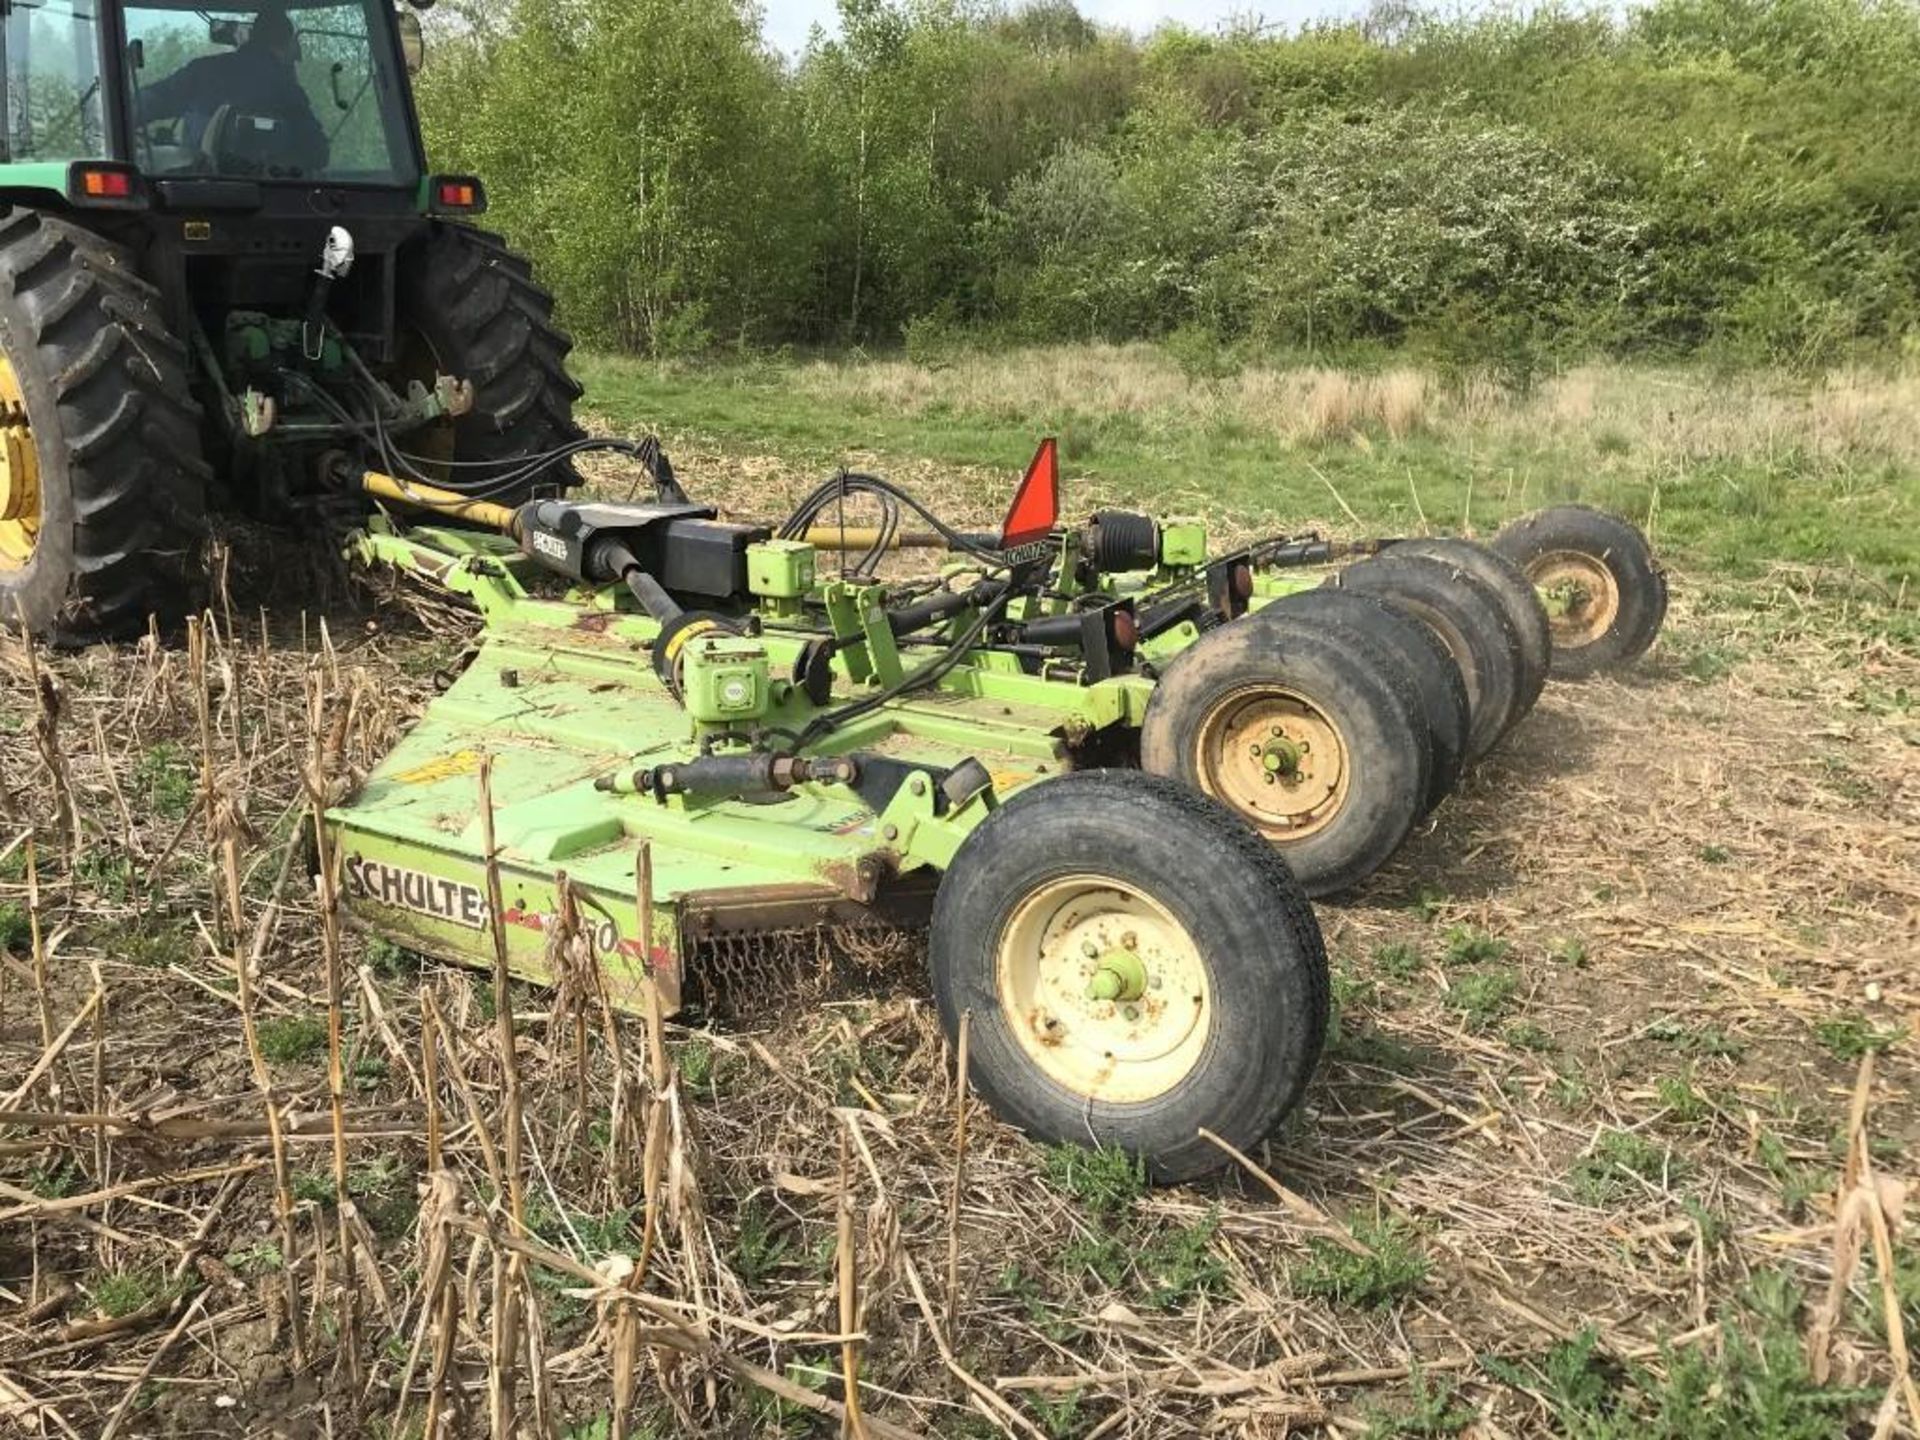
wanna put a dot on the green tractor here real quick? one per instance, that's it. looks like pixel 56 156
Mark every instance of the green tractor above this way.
pixel 223 265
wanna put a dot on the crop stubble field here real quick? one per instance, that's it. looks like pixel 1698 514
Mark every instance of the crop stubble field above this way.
pixel 1623 1060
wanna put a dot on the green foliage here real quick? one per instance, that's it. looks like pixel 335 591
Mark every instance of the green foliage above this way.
pixel 706 1069
pixel 1618 1164
pixel 107 874
pixel 1849 1037
pixel 16 927
pixel 165 776
pixel 289 1039
pixel 1501 189
pixel 1684 1104
pixel 391 961
pixel 760 1244
pixel 1179 1264
pixel 55 1180
pixel 1526 1035
pixel 1059 1416
pixel 1397 961
pixel 1467 946
pixel 261 1258
pixel 1708 1040
pixel 1433 1410
pixel 1483 997
pixel 1753 1385
pixel 1389 1266
pixel 1106 1180
pixel 126 1291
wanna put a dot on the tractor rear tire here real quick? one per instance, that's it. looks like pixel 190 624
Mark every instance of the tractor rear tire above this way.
pixel 483 318
pixel 1615 594
pixel 1220 959
pixel 1469 622
pixel 1443 694
pixel 1316 739
pixel 102 482
pixel 1518 598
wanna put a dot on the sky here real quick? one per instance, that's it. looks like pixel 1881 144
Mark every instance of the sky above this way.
pixel 788 21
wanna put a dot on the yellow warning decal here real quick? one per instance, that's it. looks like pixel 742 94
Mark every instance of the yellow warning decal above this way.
pixel 686 633
pixel 461 762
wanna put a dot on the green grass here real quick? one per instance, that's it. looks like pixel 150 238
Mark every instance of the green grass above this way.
pixel 289 1039
pixel 1390 1267
pixel 127 1291
pixel 1752 1384
pixel 1617 1165
pixel 1699 451
pixel 1683 1103
pixel 1106 1180
pixel 164 775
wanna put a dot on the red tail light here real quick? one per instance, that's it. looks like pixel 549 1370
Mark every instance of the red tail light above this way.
pixel 456 194
pixel 93 183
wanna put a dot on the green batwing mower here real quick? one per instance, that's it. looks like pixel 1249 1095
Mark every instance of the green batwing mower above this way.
pixel 707 753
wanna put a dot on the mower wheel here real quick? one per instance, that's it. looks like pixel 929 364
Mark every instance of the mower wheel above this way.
pixel 471 308
pixel 1138 965
pixel 1443 694
pixel 1469 622
pixel 1518 598
pixel 1604 593
pixel 1316 737
pixel 102 481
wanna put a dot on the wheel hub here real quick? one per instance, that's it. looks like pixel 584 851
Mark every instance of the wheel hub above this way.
pixel 1276 757
pixel 1106 992
pixel 1581 596
pixel 19 475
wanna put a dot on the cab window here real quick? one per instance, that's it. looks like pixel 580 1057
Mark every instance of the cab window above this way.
pixel 53 82
pixel 308 92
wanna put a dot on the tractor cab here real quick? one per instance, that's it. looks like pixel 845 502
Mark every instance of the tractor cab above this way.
pixel 310 287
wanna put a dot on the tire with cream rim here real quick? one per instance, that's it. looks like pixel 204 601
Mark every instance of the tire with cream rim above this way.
pixel 1139 965
pixel 1604 593
pixel 1315 736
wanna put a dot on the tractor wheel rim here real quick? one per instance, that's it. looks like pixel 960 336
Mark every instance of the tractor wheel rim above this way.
pixel 1581 596
pixel 19 474
pixel 1277 758
pixel 1105 991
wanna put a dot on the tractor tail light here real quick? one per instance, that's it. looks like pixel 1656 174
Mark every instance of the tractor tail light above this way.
pixel 456 195
pixel 90 183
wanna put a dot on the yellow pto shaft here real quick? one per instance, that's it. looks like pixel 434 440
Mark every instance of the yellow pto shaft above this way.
pixel 441 502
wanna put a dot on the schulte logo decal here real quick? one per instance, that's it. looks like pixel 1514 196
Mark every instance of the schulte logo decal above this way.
pixel 417 891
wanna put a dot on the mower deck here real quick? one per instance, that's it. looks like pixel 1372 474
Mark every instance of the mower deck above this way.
pixel 565 697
